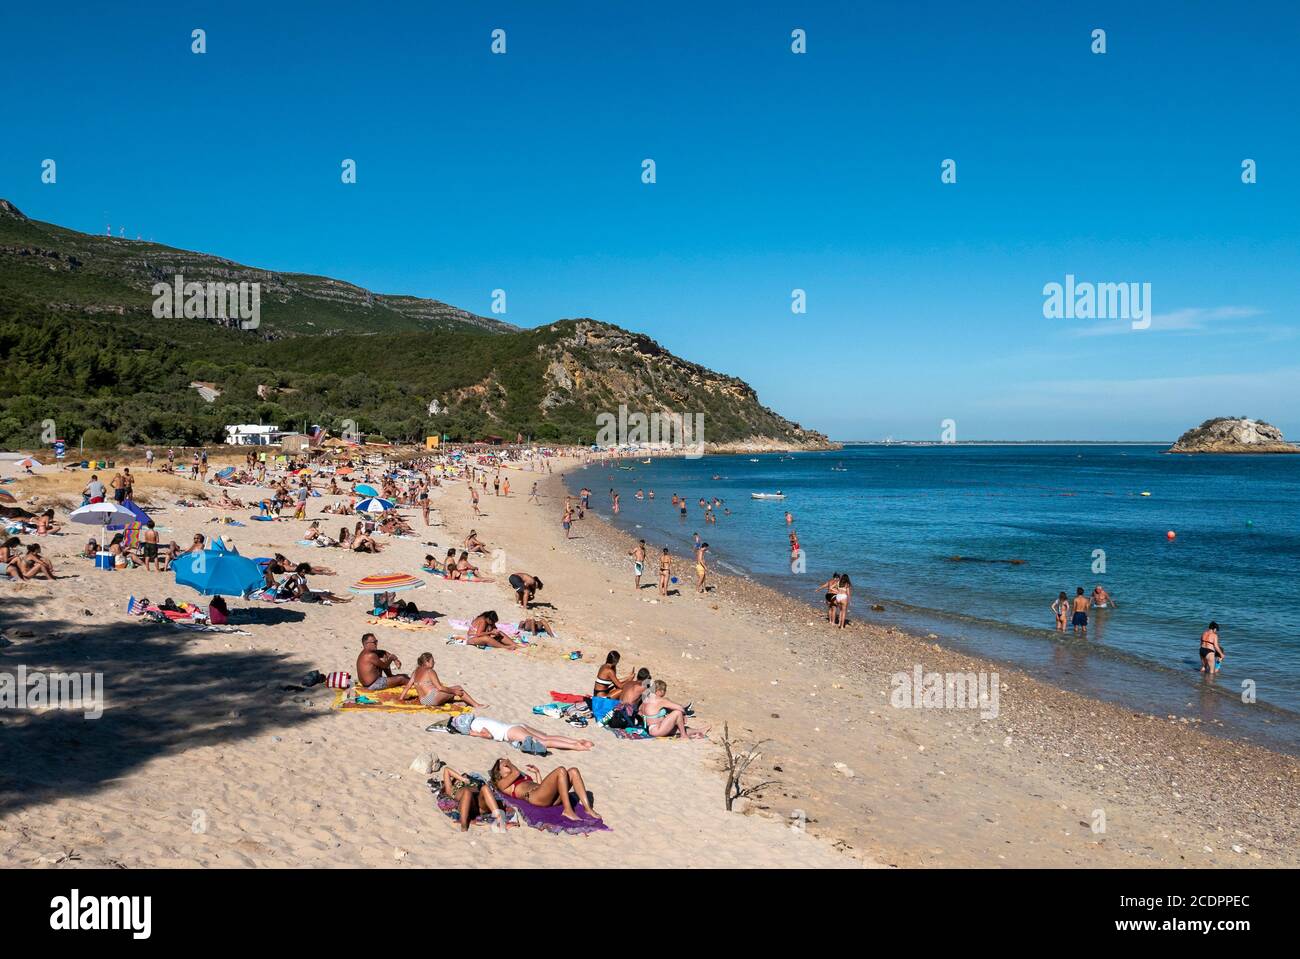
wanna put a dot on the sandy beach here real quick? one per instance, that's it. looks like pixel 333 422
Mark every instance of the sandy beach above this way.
pixel 201 758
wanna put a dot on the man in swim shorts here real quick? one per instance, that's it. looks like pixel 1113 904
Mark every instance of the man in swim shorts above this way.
pixel 638 564
pixel 375 666
pixel 525 587
pixel 1080 606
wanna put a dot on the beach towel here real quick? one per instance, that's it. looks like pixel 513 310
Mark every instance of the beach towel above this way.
pixel 601 707
pixel 507 629
pixel 399 624
pixel 449 808
pixel 385 701
pixel 551 818
pixel 567 697
pixel 640 732
pixel 211 628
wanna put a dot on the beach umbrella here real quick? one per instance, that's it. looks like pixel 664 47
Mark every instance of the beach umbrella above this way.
pixel 364 490
pixel 344 471
pixel 374 505
pixel 7 497
pixel 103 514
pixel 387 583
pixel 223 473
pixel 217 572
pixel 138 516
pixel 27 463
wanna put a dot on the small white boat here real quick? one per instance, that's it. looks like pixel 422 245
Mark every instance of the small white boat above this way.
pixel 777 495
pixel 752 460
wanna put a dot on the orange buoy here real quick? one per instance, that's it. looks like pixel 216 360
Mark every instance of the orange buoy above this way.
pixel 1170 535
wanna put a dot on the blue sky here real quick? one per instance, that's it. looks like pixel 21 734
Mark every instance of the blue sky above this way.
pixel 775 171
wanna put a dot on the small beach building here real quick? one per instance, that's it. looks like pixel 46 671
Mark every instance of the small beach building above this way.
pixel 252 434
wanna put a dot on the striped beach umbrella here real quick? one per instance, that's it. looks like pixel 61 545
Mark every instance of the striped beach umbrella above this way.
pixel 374 505
pixel 7 497
pixel 387 583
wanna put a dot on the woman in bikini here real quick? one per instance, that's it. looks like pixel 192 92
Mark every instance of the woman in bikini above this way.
pixel 471 797
pixel 34 565
pixel 830 586
pixel 463 568
pixel 843 594
pixel 363 543
pixel 607 682
pixel 551 790
pixel 665 571
pixel 1061 607
pixel 537 626
pixel 483 632
pixel 10 557
pixel 662 716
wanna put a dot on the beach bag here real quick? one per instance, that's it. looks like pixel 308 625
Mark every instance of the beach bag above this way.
pixel 624 717
pixel 338 680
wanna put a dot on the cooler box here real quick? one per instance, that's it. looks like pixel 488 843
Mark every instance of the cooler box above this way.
pixel 104 561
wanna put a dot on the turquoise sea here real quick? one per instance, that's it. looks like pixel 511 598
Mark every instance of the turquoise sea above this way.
pixel 895 517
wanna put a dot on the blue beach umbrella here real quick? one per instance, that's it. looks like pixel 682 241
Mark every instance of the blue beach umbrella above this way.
pixel 217 572
pixel 374 505
pixel 364 490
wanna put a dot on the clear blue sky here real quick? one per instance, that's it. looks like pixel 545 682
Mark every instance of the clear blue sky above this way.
pixel 775 171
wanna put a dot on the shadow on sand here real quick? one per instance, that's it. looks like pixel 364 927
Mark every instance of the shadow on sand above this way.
pixel 165 690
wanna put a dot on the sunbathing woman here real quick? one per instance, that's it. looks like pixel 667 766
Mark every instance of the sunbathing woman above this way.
pixel 471 797
pixel 607 682
pixel 474 544
pixel 483 632
pixel 45 523
pixel 363 543
pixel 662 717
pixel 11 558
pixel 310 569
pixel 431 565
pixel 463 568
pixel 537 626
pixel 295 587
pixel 449 564
pixel 34 565
pixel 431 688
pixel 553 790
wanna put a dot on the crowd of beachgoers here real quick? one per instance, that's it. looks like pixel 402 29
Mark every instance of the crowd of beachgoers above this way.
pixel 372 501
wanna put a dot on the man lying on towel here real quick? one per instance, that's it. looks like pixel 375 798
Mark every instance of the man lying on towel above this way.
pixel 375 666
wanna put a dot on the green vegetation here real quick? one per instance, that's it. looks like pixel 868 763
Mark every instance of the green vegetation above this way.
pixel 79 345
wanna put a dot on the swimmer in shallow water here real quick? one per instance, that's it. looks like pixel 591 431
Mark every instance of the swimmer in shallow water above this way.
pixel 1061 607
pixel 1211 651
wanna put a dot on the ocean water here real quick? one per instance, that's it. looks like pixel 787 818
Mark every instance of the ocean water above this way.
pixel 894 517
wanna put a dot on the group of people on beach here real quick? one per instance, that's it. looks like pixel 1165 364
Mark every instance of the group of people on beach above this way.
pixel 1073 613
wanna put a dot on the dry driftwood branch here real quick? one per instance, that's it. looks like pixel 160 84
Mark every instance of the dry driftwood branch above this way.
pixel 737 765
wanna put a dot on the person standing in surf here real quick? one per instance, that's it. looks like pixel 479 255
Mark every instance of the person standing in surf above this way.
pixel 1081 606
pixel 1061 607
pixel 1210 650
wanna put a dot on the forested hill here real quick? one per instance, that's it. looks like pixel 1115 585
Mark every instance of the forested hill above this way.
pixel 80 345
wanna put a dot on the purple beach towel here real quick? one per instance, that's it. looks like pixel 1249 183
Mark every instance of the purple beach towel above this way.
pixel 551 818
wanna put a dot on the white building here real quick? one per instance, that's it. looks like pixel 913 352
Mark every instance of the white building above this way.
pixel 252 434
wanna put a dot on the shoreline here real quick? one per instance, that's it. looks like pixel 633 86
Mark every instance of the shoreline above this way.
pixel 1177 776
